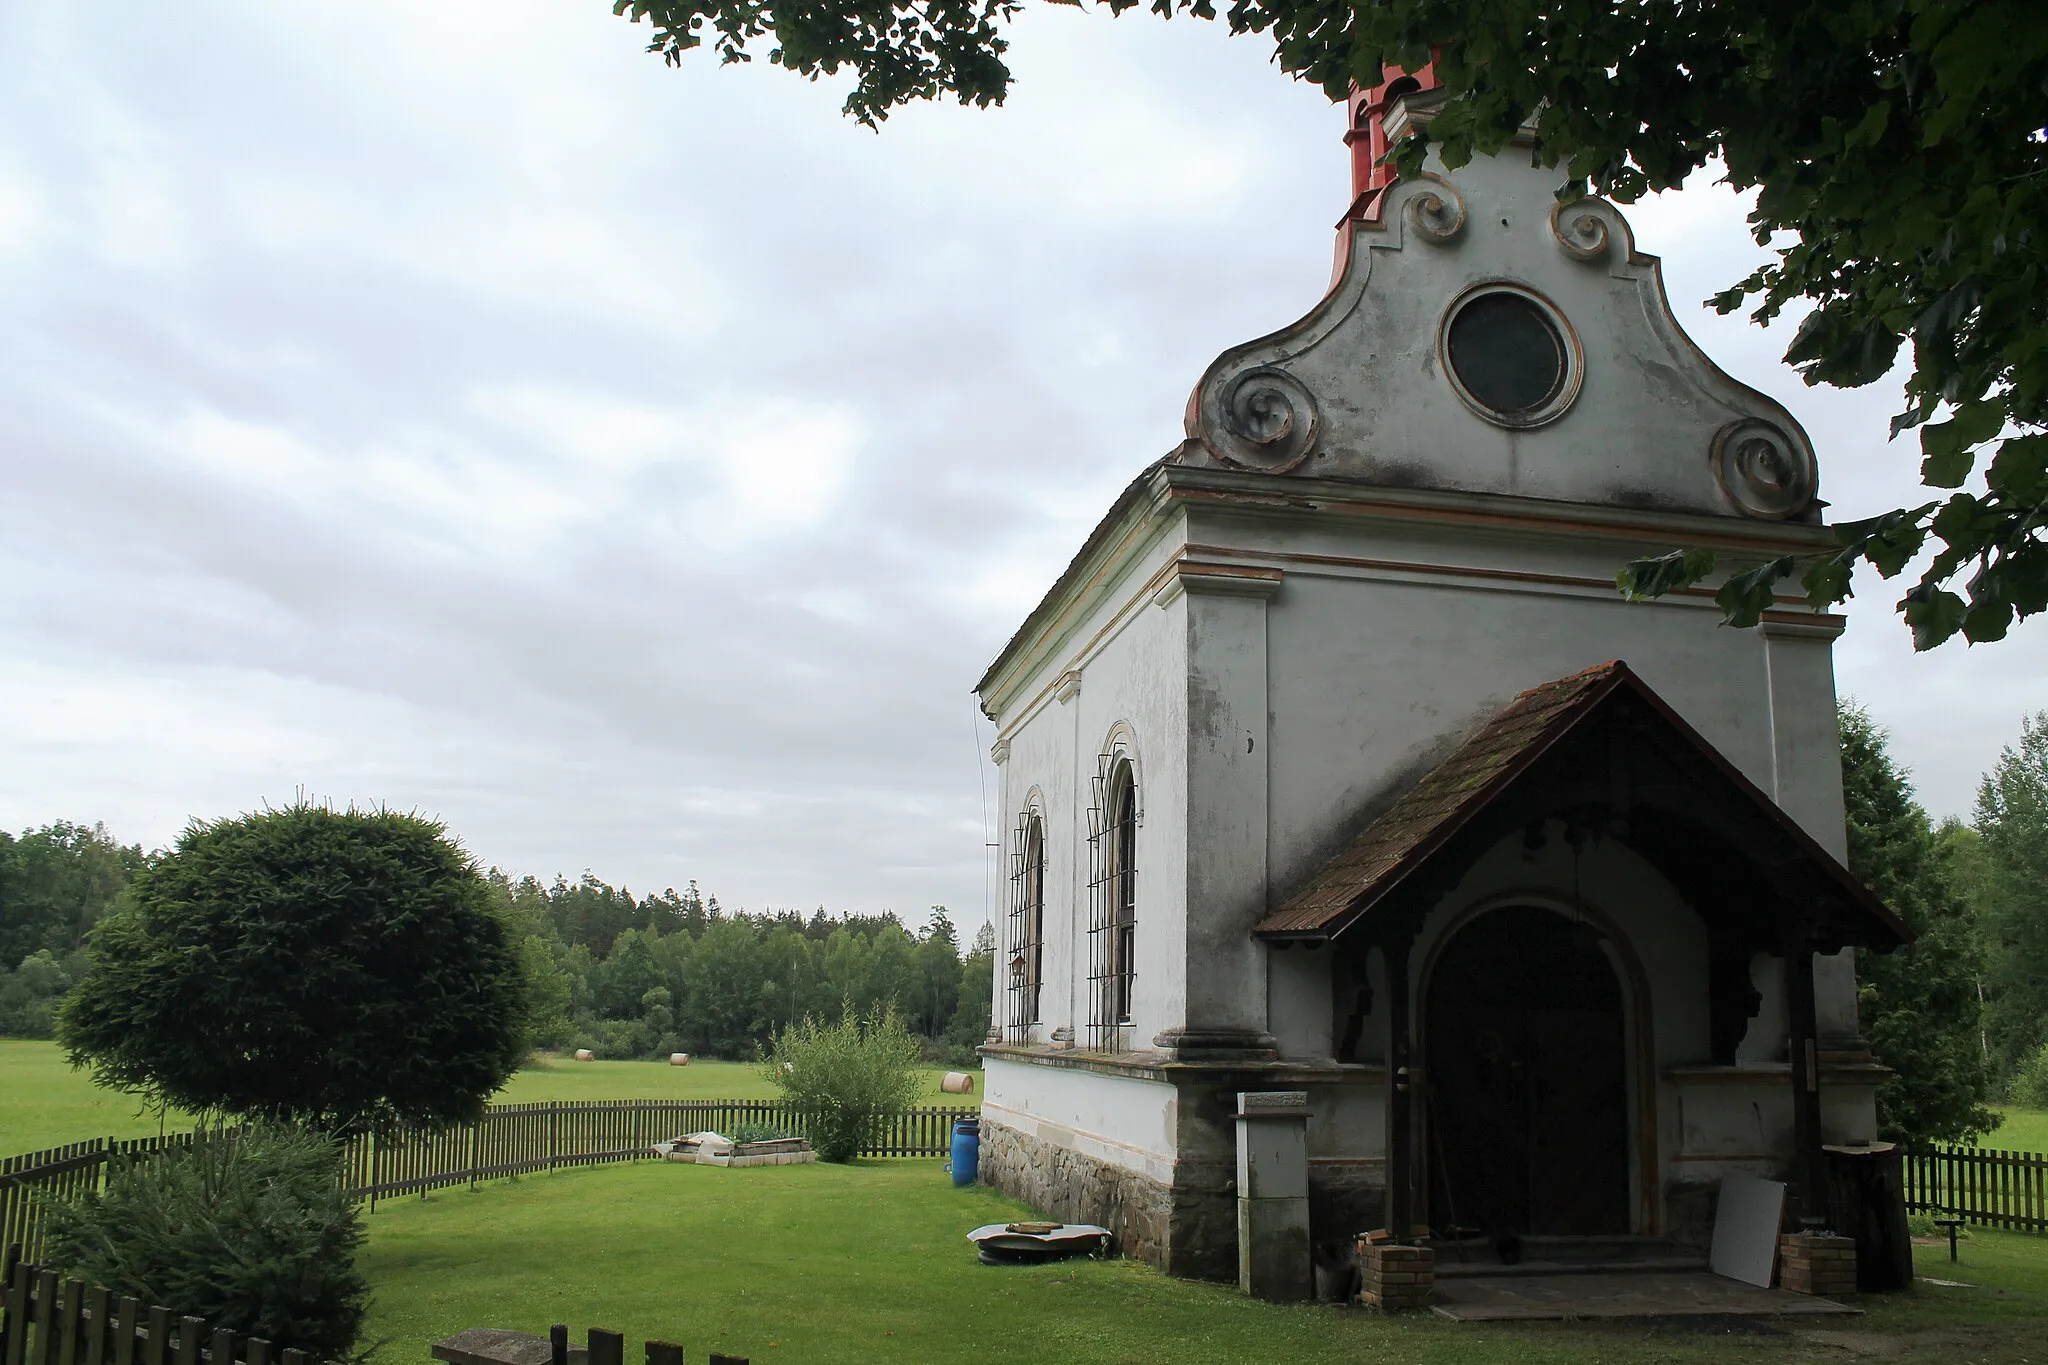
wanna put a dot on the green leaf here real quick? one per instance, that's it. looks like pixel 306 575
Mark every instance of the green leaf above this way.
pixel 1642 579
pixel 1934 614
pixel 1746 596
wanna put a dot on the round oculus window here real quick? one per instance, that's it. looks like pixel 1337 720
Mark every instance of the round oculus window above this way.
pixel 1509 358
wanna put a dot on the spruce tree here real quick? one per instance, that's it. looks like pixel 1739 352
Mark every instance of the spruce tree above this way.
pixel 2012 821
pixel 1919 1003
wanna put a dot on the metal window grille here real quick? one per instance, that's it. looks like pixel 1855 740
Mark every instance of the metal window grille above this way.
pixel 1024 943
pixel 1112 902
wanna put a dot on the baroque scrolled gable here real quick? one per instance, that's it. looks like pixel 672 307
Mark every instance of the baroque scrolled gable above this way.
pixel 1480 336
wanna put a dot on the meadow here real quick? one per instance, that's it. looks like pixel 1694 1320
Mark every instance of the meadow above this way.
pixel 44 1103
pixel 869 1263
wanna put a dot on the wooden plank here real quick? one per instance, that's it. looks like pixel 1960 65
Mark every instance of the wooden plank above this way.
pixel 717 1359
pixel 190 1330
pixel 43 1350
pixel 97 1328
pixel 222 1351
pixel 156 1336
pixel 664 1353
pixel 125 1317
pixel 606 1348
pixel 294 1356
pixel 16 1326
pixel 558 1344
pixel 71 1310
pixel 257 1352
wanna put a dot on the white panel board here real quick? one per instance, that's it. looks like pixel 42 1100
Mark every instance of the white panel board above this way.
pixel 1746 1229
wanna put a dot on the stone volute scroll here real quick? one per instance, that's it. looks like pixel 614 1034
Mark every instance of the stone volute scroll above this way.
pixel 1437 212
pixel 1763 468
pixel 1263 418
pixel 1581 230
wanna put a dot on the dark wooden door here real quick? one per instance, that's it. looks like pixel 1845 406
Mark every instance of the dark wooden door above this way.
pixel 1578 1106
pixel 1526 1095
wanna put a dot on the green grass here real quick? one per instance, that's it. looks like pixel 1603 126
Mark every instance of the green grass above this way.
pixel 44 1103
pixel 2024 1130
pixel 869 1263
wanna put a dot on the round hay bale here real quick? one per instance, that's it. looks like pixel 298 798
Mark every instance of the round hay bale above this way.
pixel 678 1059
pixel 584 1054
pixel 957 1083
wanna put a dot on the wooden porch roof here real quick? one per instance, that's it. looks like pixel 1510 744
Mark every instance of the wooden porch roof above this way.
pixel 1490 761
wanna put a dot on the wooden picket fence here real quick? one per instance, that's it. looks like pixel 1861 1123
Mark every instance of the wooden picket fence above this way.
pixel 48 1321
pixel 1995 1189
pixel 509 1140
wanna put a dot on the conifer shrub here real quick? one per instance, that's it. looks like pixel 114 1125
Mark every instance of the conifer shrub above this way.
pixel 845 1079
pixel 251 1229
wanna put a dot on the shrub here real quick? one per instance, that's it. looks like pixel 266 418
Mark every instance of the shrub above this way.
pixel 614 1040
pixel 249 1229
pixel 756 1132
pixel 333 967
pixel 845 1078
pixel 2030 1082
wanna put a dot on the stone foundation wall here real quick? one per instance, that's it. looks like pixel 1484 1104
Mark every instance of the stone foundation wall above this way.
pixel 1074 1188
pixel 1188 1228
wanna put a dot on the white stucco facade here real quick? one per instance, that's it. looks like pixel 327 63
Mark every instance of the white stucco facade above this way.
pixel 1342 573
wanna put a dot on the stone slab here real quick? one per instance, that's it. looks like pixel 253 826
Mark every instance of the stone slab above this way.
pixel 1509 1298
pixel 497 1346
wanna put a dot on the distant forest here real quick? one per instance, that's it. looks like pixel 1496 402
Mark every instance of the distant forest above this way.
pixel 625 976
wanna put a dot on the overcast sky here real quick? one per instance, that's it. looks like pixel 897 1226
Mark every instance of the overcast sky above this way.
pixel 451 407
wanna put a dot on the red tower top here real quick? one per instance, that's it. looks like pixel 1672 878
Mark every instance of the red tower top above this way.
pixel 1367 135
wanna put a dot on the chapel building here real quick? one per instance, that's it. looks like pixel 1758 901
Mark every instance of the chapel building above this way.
pixel 1335 762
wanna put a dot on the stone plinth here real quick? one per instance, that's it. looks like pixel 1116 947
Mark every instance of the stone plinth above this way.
pixel 1393 1277
pixel 1817 1263
pixel 497 1346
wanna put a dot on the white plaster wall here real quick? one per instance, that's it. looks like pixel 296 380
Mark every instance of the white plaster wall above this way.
pixel 1126 1121
pixel 1134 690
pixel 1115 675
pixel 1376 669
pixel 1040 764
pixel 1299 1011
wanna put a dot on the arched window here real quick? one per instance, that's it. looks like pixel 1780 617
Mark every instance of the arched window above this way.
pixel 1026 939
pixel 1113 900
pixel 1034 916
pixel 1123 849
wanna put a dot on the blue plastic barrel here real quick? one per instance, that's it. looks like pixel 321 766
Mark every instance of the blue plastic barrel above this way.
pixel 966 1162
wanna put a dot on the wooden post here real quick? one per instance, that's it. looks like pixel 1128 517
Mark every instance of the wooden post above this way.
pixel 124 1339
pixel 156 1339
pixel 1400 1088
pixel 1809 1161
pixel 558 1344
pixel 607 1348
pixel 664 1353
pixel 189 1331
pixel 97 1329
pixel 73 1309
pixel 43 1353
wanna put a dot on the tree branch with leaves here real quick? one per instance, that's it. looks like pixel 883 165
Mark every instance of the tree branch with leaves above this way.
pixel 1898 150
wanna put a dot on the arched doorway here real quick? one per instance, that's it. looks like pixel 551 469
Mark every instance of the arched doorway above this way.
pixel 1526 1079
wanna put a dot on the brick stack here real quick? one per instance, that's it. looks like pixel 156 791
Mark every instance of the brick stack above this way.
pixel 1394 1277
pixel 1817 1263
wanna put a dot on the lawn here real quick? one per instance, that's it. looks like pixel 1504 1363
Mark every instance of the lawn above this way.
pixel 868 1263
pixel 44 1103
pixel 2024 1130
